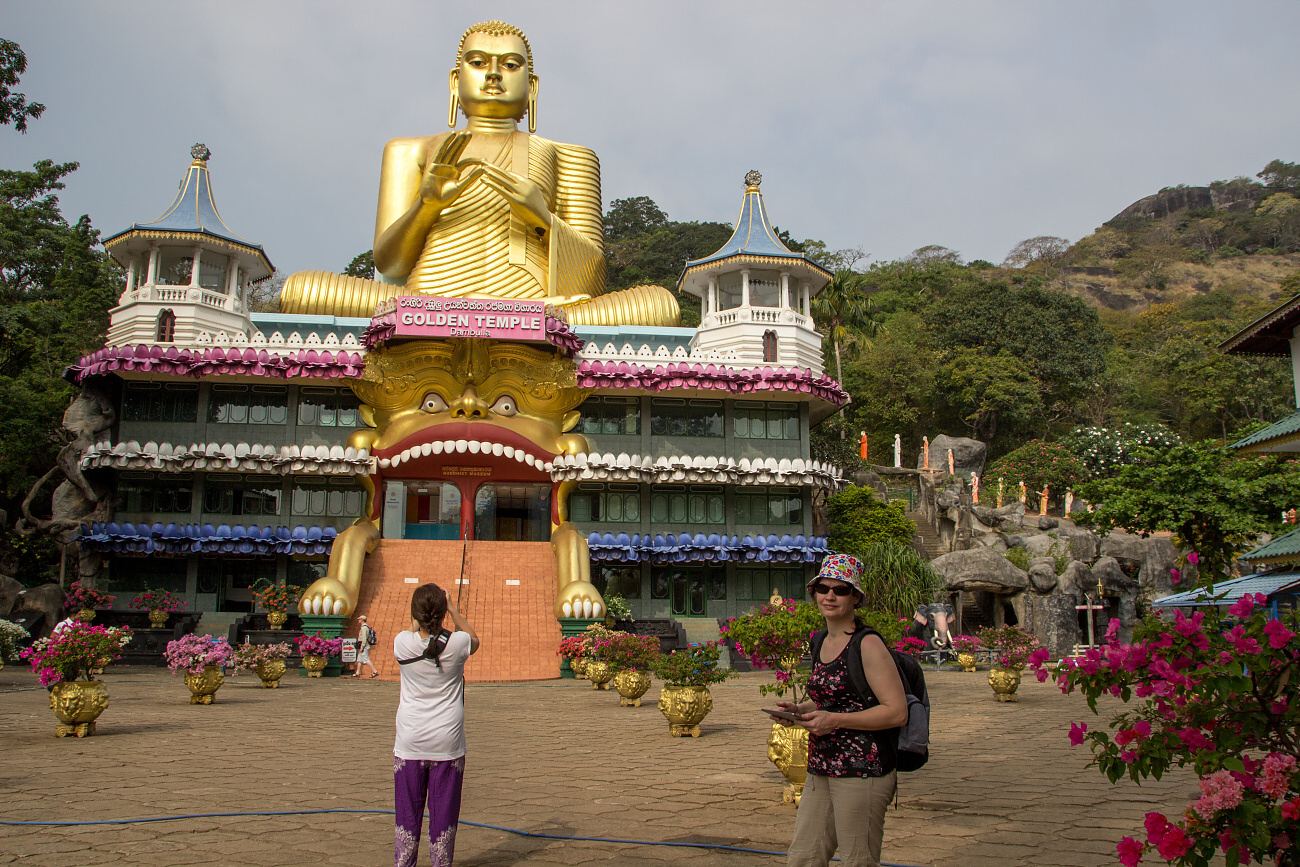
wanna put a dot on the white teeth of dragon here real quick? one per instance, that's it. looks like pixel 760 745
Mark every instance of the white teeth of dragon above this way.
pixel 497 449
pixel 385 463
pixel 461 446
pixel 508 451
pixel 436 447
pixel 473 447
pixel 448 446
pixel 426 449
pixel 485 447
pixel 519 456
pixel 530 460
pixel 406 455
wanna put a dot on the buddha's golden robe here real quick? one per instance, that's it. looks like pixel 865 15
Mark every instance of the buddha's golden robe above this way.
pixel 478 246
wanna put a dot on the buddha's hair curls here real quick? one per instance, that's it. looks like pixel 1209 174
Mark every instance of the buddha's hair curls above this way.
pixel 496 28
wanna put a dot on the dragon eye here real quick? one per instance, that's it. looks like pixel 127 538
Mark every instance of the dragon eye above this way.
pixel 505 405
pixel 433 402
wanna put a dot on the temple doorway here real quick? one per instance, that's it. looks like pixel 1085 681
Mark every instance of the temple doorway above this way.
pixel 512 512
pixel 432 511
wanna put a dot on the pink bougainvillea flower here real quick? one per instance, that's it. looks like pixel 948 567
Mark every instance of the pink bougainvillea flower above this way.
pixel 1174 844
pixel 1278 635
pixel 1276 777
pixel 1175 574
pixel 1193 558
pixel 1077 732
pixel 1219 791
pixel 1291 809
pixel 1188 626
pixel 1242 642
pixel 1156 825
pixel 1130 852
pixel 1244 606
pixel 1112 629
pixel 1128 757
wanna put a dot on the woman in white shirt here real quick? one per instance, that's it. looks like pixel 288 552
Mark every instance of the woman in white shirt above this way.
pixel 429 752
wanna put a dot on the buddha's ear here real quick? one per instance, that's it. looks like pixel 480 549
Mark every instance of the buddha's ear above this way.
pixel 453 84
pixel 533 83
pixel 570 421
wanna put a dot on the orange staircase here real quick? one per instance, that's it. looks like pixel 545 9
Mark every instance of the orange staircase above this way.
pixel 507 597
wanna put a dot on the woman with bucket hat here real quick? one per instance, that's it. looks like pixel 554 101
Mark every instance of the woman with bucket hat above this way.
pixel 851 762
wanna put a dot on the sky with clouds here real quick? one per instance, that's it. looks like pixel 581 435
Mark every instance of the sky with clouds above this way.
pixel 880 125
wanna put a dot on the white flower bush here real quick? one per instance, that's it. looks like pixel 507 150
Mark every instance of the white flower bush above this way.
pixel 1103 450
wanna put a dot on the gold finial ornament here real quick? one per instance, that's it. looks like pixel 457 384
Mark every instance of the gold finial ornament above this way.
pixel 488 209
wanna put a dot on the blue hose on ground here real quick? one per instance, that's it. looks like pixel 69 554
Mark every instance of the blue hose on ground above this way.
pixel 516 831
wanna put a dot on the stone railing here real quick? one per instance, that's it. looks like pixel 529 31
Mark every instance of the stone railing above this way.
pixel 284 460
pixel 661 353
pixel 761 315
pixel 682 468
pixel 295 340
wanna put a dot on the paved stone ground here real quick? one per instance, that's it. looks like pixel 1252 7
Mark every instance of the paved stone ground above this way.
pixel 1003 786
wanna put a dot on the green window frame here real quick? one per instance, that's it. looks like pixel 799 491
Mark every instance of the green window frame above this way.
pixel 611 416
pixel 677 417
pixel 247 496
pixel 326 500
pixel 769 507
pixel 160 402
pixel 613 504
pixel 236 404
pixel 694 506
pixel 328 407
pixel 756 583
pixel 765 421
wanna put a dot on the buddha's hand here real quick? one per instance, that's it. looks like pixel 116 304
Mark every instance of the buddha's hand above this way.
pixel 445 177
pixel 524 196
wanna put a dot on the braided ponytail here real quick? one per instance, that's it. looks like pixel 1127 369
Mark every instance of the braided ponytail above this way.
pixel 428 608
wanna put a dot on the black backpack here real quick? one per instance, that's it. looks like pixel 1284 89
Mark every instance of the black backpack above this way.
pixel 372 637
pixel 912 749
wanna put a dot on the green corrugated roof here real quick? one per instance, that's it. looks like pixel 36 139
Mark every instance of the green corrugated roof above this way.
pixel 1285 427
pixel 1282 546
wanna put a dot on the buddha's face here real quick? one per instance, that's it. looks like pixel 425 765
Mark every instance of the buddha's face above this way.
pixel 493 76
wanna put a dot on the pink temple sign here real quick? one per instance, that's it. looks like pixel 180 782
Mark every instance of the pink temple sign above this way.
pixel 497 318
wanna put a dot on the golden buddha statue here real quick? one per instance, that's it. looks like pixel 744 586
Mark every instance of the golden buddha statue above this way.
pixel 489 209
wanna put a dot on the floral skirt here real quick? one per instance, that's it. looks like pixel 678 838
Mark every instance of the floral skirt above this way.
pixel 414 782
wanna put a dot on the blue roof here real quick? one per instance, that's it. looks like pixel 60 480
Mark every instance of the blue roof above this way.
pixel 753 235
pixel 1229 592
pixel 194 209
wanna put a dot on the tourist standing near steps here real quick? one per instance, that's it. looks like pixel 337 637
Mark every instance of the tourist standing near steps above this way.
pixel 363 648
pixel 851 762
pixel 429 752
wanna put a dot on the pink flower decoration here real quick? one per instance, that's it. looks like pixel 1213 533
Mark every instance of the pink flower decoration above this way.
pixel 1112 629
pixel 1076 733
pixel 1291 809
pixel 1276 778
pixel 1278 635
pixel 1130 852
pixel 1219 791
pixel 1174 844
pixel 1156 825
pixel 1193 558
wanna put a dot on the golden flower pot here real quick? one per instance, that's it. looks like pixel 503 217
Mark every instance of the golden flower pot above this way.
pixel 76 705
pixel 157 618
pixel 1005 682
pixel 599 674
pixel 631 685
pixel 84 615
pixel 276 619
pixel 787 748
pixel 684 707
pixel 270 672
pixel 966 661
pixel 579 666
pixel 314 664
pixel 204 686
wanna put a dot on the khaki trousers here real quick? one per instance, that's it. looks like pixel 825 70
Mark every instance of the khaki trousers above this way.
pixel 847 813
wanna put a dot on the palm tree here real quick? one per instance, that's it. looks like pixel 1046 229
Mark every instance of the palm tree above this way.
pixel 842 306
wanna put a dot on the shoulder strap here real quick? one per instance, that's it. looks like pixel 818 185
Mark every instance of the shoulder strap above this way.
pixel 815 645
pixel 439 643
pixel 853 661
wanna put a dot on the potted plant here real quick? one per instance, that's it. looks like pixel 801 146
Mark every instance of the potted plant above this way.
pixel 630 657
pixel 11 636
pixel 82 601
pixel 616 609
pixel 574 650
pixel 64 662
pixel 913 647
pixel 966 646
pixel 201 658
pixel 1012 647
pixel 276 599
pixel 598 672
pixel 316 651
pixel 159 604
pixel 775 636
pixel 685 699
pixel 266 660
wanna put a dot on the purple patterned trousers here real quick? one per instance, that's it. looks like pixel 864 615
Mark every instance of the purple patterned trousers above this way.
pixel 414 781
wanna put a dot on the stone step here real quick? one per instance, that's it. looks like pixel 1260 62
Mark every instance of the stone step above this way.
pixel 507 597
pixel 699 629
pixel 931 545
pixel 218 623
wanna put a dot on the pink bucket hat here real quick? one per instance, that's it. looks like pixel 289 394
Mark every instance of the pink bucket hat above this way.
pixel 842 567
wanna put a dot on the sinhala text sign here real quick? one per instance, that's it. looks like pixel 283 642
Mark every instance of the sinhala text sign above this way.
pixel 499 318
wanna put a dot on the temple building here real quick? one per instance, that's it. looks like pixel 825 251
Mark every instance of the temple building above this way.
pixel 229 458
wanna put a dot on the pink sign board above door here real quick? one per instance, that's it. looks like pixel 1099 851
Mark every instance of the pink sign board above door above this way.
pixel 497 318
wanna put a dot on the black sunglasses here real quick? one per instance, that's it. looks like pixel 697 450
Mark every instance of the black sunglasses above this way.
pixel 838 590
